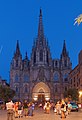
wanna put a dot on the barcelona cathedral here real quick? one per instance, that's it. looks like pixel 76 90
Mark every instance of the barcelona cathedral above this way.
pixel 40 78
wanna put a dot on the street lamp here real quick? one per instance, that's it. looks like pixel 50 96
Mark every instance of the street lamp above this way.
pixel 80 96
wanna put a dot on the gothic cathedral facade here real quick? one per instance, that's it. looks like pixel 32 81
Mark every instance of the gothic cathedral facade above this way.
pixel 41 77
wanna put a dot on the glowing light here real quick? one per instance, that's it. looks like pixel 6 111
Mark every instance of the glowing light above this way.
pixel 47 99
pixel 35 98
pixel 80 96
pixel 80 93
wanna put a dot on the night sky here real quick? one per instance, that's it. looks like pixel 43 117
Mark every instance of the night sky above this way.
pixel 19 21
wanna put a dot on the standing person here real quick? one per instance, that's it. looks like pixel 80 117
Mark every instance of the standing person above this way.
pixel 20 108
pixel 63 109
pixel 58 108
pixel 69 107
pixel 45 106
pixel 33 106
pixel 30 109
pixel 48 107
pixel 9 107
pixel 25 108
pixel 16 109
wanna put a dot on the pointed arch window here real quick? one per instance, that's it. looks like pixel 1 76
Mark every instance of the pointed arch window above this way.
pixel 65 77
pixel 16 78
pixel 26 89
pixel 56 77
pixel 26 78
pixel 56 90
pixel 16 89
pixel 41 55
pixel 65 88
pixel 47 58
pixel 56 63
pixel 16 63
pixel 34 57
pixel 65 63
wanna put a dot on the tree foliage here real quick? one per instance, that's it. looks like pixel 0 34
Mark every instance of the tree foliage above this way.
pixel 6 93
pixel 72 93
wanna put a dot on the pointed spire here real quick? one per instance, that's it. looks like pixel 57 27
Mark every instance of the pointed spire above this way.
pixel 40 12
pixel 17 48
pixel 40 27
pixel 34 43
pixel 26 55
pixel 64 51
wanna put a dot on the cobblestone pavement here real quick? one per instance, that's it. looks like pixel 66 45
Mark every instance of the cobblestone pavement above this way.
pixel 40 115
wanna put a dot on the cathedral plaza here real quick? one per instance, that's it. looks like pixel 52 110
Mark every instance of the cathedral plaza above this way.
pixel 40 115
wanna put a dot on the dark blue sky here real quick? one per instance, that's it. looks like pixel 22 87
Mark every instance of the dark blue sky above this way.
pixel 19 21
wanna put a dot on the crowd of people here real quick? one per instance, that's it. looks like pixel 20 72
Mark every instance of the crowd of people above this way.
pixel 60 108
pixel 25 109
pixel 19 109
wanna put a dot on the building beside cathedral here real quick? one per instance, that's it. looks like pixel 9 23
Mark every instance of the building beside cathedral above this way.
pixel 40 78
pixel 75 77
pixel 3 82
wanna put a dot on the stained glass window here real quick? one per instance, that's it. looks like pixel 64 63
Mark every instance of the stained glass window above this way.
pixel 26 77
pixel 56 76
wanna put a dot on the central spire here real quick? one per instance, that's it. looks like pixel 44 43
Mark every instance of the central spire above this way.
pixel 17 48
pixel 64 51
pixel 40 27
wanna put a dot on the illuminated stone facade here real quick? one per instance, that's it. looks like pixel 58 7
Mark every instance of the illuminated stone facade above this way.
pixel 41 77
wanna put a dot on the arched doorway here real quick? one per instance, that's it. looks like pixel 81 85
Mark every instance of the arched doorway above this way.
pixel 41 95
pixel 41 92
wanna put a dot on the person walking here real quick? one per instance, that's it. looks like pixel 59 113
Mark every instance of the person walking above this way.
pixel 63 109
pixel 9 107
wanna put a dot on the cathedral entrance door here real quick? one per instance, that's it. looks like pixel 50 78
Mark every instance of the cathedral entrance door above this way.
pixel 41 98
pixel 41 92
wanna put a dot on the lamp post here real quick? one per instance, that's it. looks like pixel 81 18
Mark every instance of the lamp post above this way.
pixel 80 96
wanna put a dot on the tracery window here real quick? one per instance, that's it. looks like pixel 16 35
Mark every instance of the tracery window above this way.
pixel 41 55
pixel 56 90
pixel 65 63
pixel 65 77
pixel 34 57
pixel 56 63
pixel 16 89
pixel 56 76
pixel 16 63
pixel 26 78
pixel 26 89
pixel 47 58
